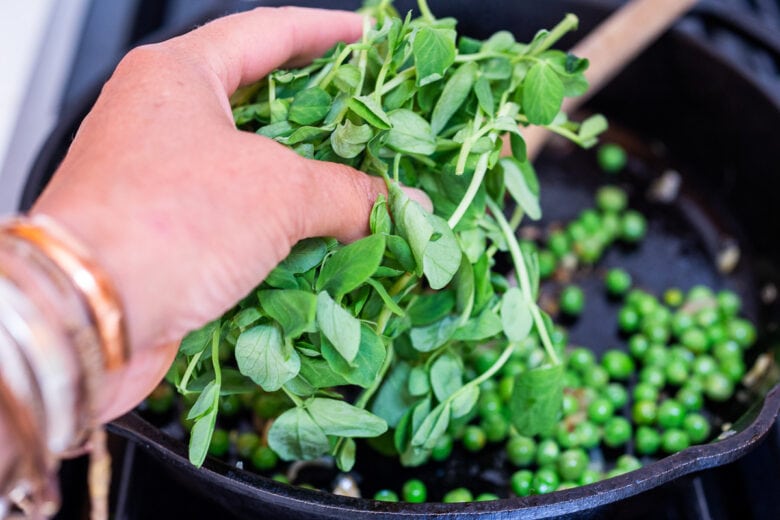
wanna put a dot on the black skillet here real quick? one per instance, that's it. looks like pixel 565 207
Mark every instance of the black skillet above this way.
pixel 716 125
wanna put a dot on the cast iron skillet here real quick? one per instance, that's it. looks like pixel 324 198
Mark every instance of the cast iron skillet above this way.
pixel 715 120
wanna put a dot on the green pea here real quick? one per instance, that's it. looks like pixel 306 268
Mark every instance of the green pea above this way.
pixel 589 476
pixel 690 398
pixel 588 434
pixel 581 359
pixel 734 369
pixel 474 438
pixel 566 436
pixel 656 356
pixel 280 477
pixel 653 375
pixel 486 497
pixel 495 427
pixel 674 440
pixel 443 448
pixel 569 404
pixel 547 452
pixel 559 244
pixel 727 350
pixel 386 495
pixel 617 394
pixel 628 320
pixel 458 495
pixel 638 345
pixel 521 482
pixel 617 282
pixel 572 464
pixel 628 462
pixel 697 427
pixel 706 317
pixel 521 451
pixel 611 158
pixel 704 365
pixel 681 322
pixel 656 332
pixel 673 297
pixel 485 359
pixel 590 220
pixel 220 443
pixel 506 387
pixel 644 412
pixel 718 387
pixel 596 377
pixel 645 392
pixel 572 300
pixel 489 403
pixel 264 458
pixel 547 263
pixel 647 440
pixel 161 399
pixel 671 414
pixel 700 293
pixel 633 227
pixel 600 410
pixel 743 332
pixel 617 432
pixel 611 199
pixel 618 364
pixel 246 444
pixel 717 333
pixel 729 303
pixel 676 372
pixel 610 226
pixel 545 481
pixel 414 491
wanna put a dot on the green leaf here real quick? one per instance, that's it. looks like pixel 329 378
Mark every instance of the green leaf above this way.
pixel 446 375
pixel 386 298
pixel 433 427
pixel 401 252
pixel 344 420
pixel 247 317
pixel 281 278
pixel 516 317
pixel 536 400
pixel 485 95
pixel 233 382
pixel 305 255
pixel 464 288
pixel 542 94
pixel 411 223
pixel 419 382
pixel 276 130
pixel 351 266
pixel 310 106
pixel 200 437
pixel 592 127
pixel 339 326
pixel 431 337
pixel 366 365
pixel 441 259
pixel 482 327
pixel 295 436
pixel 392 400
pixel 205 402
pixel 261 356
pixel 434 52
pixel 198 340
pixel 521 182
pixel 294 310
pixel 379 221
pixel 501 41
pixel 369 110
pixel 305 134
pixel 345 458
pixel 347 78
pixel 430 307
pixel 519 150
pixel 348 140
pixel 464 401
pixel 400 95
pixel 319 374
pixel 455 92
pixel 411 133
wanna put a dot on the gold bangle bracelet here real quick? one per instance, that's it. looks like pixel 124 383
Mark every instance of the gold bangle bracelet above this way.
pixel 86 275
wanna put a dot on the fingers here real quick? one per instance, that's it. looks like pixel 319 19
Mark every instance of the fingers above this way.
pixel 244 47
pixel 340 200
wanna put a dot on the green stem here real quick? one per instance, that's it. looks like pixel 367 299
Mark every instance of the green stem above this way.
pixel 500 362
pixel 384 316
pixel 568 23
pixel 471 192
pixel 215 357
pixel 425 10
pixel 294 398
pixel 185 380
pixel 523 278
pixel 398 79
pixel 330 73
pixel 369 392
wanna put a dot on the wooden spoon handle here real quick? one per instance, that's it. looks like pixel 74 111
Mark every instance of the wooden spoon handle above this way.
pixel 611 46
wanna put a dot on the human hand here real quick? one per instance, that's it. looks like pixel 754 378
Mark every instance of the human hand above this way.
pixel 185 212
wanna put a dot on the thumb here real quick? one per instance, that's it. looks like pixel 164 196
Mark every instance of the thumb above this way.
pixel 340 200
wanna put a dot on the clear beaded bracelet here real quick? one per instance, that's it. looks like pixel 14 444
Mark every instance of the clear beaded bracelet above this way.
pixel 61 331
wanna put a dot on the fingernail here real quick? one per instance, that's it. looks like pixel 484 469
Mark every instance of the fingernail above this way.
pixel 419 196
